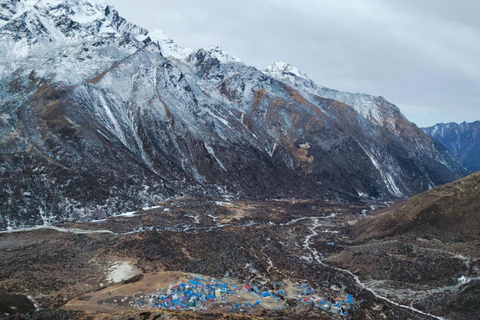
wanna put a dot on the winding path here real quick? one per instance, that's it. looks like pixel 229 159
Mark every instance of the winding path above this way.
pixel 316 256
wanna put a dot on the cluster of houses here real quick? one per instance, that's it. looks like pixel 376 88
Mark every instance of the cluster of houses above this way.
pixel 309 297
pixel 196 293
pixel 192 294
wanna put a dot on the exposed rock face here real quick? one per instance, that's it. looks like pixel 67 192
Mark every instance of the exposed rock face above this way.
pixel 99 117
pixel 463 140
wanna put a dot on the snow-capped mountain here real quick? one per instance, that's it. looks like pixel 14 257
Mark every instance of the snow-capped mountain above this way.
pixel 99 116
pixel 375 109
pixel 463 140
pixel 32 28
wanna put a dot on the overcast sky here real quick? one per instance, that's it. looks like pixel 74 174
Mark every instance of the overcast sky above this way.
pixel 422 55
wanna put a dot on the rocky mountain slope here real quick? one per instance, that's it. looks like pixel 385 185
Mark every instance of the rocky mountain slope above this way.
pixel 463 140
pixel 99 116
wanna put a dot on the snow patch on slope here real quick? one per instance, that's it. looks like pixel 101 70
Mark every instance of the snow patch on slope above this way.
pixel 387 178
pixel 212 153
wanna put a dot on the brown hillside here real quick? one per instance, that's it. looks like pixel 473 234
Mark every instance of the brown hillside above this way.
pixel 451 211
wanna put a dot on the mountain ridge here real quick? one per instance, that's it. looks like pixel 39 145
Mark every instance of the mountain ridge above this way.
pixel 106 123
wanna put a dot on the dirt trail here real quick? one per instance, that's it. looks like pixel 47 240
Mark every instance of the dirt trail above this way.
pixel 316 255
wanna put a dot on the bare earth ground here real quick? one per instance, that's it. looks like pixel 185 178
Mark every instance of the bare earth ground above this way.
pixel 67 271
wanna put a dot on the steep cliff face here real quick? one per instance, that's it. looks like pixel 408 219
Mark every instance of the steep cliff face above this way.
pixel 98 116
pixel 463 140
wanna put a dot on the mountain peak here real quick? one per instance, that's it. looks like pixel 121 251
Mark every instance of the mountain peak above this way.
pixel 280 69
pixel 12 9
pixel 221 55
pixel 159 35
pixel 30 27
pixel 168 47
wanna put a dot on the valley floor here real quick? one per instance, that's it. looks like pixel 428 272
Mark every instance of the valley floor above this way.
pixel 96 270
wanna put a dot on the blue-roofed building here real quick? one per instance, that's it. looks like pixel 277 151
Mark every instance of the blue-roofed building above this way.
pixel 195 283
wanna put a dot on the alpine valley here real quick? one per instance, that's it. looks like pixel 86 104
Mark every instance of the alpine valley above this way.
pixel 128 163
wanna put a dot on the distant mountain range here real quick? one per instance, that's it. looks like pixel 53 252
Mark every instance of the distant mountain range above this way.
pixel 463 140
pixel 99 116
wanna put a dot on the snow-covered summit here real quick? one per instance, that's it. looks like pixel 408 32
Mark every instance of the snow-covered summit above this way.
pixel 283 69
pixel 291 75
pixel 168 47
pixel 28 27
pixel 82 10
pixel 172 50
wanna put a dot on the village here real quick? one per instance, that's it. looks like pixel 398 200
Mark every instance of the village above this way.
pixel 197 293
